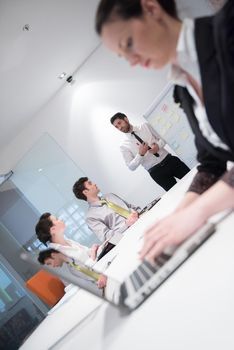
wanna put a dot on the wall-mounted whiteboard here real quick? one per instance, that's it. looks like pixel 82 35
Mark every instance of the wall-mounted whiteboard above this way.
pixel 169 120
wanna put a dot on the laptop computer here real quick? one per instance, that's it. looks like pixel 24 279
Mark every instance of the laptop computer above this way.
pixel 132 290
pixel 149 206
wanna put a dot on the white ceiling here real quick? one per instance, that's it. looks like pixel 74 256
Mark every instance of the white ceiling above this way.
pixel 60 38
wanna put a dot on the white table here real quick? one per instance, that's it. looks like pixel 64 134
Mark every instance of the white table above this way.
pixel 193 309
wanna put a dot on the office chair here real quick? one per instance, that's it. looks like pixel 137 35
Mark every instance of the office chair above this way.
pixel 46 286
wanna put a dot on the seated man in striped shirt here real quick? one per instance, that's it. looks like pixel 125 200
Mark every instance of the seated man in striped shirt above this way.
pixel 54 258
pixel 108 216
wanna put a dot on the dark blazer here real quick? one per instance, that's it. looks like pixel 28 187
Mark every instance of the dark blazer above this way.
pixel 214 40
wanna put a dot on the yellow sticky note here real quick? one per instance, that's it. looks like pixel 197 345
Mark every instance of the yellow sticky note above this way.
pixel 176 117
pixel 163 131
pixel 184 135
pixel 168 125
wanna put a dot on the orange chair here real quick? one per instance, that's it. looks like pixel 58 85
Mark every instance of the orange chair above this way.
pixel 46 286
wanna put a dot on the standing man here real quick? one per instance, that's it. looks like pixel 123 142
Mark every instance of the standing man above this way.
pixel 108 216
pixel 143 146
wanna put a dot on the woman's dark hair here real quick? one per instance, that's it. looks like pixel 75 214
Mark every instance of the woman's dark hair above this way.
pixel 117 115
pixel 109 10
pixel 43 228
pixel 79 187
pixel 45 254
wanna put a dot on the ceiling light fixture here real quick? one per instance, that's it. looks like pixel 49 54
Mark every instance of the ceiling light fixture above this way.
pixel 70 80
pixel 26 27
pixel 62 75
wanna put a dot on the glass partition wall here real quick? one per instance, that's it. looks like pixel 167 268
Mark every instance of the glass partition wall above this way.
pixel 41 182
pixel 19 313
pixel 45 177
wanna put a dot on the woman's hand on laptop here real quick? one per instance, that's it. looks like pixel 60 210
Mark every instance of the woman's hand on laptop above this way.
pixel 170 231
pixel 175 228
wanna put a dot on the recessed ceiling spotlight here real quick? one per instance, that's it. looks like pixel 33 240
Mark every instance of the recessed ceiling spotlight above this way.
pixel 70 80
pixel 62 75
pixel 26 27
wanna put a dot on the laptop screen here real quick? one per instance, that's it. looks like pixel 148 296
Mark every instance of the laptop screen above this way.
pixel 138 279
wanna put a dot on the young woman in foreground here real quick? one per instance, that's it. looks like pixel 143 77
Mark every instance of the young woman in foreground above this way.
pixel 201 55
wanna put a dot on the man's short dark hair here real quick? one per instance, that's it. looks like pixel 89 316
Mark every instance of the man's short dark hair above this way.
pixel 45 216
pixel 46 254
pixel 43 228
pixel 117 116
pixel 79 187
pixel 109 10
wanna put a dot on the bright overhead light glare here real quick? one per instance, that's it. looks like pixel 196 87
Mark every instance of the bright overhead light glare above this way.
pixel 62 75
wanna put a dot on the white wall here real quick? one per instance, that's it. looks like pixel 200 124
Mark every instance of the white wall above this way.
pixel 78 118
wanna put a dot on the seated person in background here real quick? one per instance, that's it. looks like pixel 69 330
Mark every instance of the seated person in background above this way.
pixel 108 216
pixel 54 258
pixel 50 231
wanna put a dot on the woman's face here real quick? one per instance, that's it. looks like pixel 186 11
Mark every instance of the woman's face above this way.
pixel 141 41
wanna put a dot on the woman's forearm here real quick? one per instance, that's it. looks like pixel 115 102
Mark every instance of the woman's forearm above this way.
pixel 188 199
pixel 218 198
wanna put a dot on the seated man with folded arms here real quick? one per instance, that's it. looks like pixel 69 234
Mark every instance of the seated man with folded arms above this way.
pixel 54 258
pixel 108 216
pixel 50 231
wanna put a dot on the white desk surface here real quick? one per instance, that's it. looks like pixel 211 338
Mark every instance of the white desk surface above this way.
pixel 192 310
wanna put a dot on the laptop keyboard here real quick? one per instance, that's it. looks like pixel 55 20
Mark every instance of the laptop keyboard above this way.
pixel 135 288
pixel 146 277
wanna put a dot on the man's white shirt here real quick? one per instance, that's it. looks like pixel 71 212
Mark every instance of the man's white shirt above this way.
pixel 130 148
pixel 75 251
